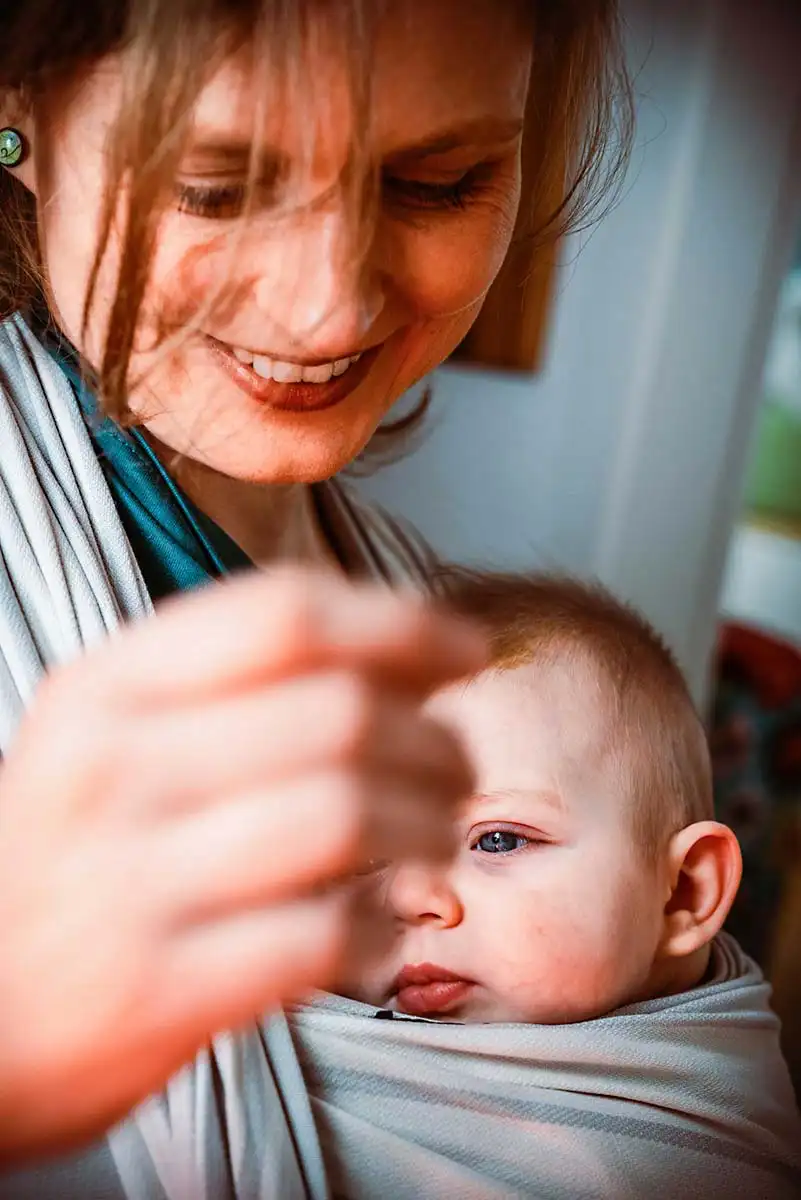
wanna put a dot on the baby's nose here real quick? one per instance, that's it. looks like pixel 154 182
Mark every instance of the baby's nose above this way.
pixel 420 895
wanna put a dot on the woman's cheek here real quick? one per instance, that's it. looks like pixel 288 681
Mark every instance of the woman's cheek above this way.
pixel 452 268
pixel 188 272
pixel 69 225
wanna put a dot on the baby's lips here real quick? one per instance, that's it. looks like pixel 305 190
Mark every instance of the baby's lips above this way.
pixel 441 996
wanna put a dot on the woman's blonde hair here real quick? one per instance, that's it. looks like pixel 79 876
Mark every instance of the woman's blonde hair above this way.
pixel 580 117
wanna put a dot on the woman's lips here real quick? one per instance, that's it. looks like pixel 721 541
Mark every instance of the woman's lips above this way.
pixel 426 989
pixel 293 397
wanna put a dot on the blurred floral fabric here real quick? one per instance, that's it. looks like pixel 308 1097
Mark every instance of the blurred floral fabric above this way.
pixel 755 738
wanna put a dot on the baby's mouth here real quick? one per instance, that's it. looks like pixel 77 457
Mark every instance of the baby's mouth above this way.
pixel 424 990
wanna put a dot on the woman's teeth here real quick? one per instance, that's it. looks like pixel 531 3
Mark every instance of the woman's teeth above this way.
pixel 287 372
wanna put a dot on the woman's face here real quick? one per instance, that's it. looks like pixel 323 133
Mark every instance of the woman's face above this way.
pixel 448 97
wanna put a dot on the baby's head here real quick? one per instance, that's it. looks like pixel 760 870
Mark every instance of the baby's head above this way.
pixel 590 874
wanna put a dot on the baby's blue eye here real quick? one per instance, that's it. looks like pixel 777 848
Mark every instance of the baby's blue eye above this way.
pixel 499 841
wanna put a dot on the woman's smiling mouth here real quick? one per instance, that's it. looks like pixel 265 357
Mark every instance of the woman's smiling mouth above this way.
pixel 294 387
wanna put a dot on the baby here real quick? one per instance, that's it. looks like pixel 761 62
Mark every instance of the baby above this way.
pixel 590 873
pixel 567 1018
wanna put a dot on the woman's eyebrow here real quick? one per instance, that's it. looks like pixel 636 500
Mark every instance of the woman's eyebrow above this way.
pixel 234 152
pixel 477 132
pixel 231 151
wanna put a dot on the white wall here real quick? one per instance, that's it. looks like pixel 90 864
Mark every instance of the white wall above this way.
pixel 762 583
pixel 624 458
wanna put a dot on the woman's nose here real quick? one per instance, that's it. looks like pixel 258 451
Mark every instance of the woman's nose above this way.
pixel 419 895
pixel 319 291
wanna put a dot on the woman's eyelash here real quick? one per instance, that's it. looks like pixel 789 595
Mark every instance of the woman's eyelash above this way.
pixel 225 202
pixel 419 194
pixel 202 200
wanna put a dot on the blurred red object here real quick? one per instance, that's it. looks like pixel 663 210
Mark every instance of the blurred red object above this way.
pixel 769 665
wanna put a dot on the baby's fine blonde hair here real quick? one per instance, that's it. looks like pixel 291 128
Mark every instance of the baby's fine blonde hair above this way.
pixel 659 744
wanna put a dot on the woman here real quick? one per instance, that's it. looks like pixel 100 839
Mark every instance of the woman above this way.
pixel 241 230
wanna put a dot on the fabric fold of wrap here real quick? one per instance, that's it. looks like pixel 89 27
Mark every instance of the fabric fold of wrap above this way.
pixel 689 1088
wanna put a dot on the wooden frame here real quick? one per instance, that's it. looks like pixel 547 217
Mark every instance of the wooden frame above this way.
pixel 511 330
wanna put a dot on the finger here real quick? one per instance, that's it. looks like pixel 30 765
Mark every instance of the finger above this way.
pixel 222 976
pixel 307 836
pixel 267 625
pixel 307 724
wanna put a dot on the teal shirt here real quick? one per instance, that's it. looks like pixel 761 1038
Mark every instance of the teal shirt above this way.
pixel 176 545
pixel 179 548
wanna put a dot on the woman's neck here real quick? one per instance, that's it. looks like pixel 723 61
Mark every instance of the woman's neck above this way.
pixel 270 523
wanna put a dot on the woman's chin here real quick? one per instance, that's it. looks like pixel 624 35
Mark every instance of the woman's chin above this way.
pixel 239 436
pixel 260 454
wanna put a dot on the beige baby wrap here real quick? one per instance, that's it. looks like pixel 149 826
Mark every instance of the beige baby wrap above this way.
pixel 682 1097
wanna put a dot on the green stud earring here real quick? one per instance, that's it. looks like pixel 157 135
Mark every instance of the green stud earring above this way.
pixel 12 147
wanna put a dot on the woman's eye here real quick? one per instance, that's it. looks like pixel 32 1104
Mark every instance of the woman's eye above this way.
pixel 227 201
pixel 500 841
pixel 415 193
pixel 221 203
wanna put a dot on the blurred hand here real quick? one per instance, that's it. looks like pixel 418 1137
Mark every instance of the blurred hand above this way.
pixel 179 813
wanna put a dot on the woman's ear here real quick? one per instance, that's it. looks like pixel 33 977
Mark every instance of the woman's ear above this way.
pixel 705 867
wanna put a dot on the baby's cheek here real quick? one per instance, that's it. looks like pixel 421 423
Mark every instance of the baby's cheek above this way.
pixel 535 952
pixel 557 967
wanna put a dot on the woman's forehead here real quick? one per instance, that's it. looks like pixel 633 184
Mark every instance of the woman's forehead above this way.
pixel 439 69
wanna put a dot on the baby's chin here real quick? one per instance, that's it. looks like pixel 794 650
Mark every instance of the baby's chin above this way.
pixel 498 1002
pixel 481 1005
pixel 477 1007
pixel 477 1014
pixel 499 1013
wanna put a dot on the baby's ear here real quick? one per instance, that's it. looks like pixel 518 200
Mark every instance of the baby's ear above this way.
pixel 705 869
